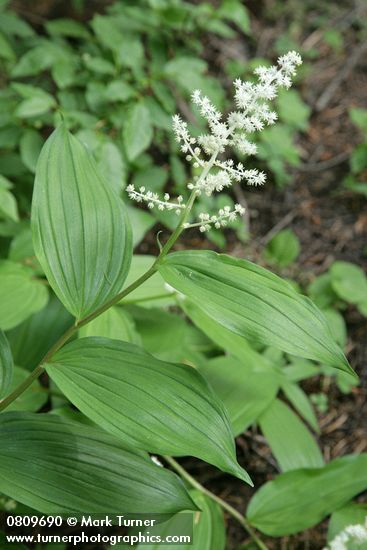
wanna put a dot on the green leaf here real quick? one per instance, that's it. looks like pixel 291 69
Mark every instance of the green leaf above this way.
pixel 118 90
pixel 32 399
pixel 58 466
pixel 67 27
pixel 30 341
pixel 290 441
pixel 187 72
pixel 301 403
pixel 6 51
pixel 20 294
pixel 114 323
pixel 321 291
pixel 138 131
pixel 30 147
pixel 337 326
pixel 11 24
pixel 99 65
pixel 235 11
pixel 254 303
pixel 112 165
pixel 349 282
pixel 246 389
pixel 359 117
pixel 141 221
pixel 8 205
pixel 208 527
pixel 350 514
pixel 163 334
pixel 283 249
pixel 81 233
pixel 159 407
pixel 292 110
pixel 297 500
pixel 35 106
pixel 6 365
pixel 152 289
pixel 33 62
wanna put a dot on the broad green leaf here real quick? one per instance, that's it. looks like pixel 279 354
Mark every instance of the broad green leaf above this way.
pixel 11 24
pixel 67 27
pixel 208 527
pixel 6 51
pixel 235 11
pixel 349 282
pixel 290 441
pixel 112 165
pixel 21 294
pixel 352 513
pixel 114 323
pixel 35 106
pixel 292 110
pixel 8 205
pixel 159 407
pixel 141 221
pixel 301 403
pixel 30 340
pixel 254 303
pixel 157 178
pixel 300 369
pixel 58 466
pixel 283 249
pixel 337 326
pixel 163 334
pixel 30 147
pixel 138 131
pixel 222 337
pixel 6 365
pixel 297 500
pixel 187 72
pixel 151 293
pixel 99 65
pixel 81 233
pixel 30 400
pixel 246 389
pixel 118 90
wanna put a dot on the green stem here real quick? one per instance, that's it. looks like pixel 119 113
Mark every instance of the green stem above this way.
pixel 234 513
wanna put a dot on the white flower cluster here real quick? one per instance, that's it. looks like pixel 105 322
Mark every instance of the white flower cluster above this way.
pixel 355 535
pixel 224 216
pixel 153 200
pixel 252 114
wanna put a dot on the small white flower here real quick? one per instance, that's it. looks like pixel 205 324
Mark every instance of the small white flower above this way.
pixel 353 534
pixel 156 460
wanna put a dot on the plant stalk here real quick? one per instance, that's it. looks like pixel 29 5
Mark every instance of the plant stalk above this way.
pixel 234 513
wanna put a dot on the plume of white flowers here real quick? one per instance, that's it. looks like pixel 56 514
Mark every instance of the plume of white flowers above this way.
pixel 355 535
pixel 252 114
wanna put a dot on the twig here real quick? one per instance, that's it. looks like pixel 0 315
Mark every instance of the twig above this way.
pixel 342 75
pixel 278 226
pixel 234 513
pixel 324 164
